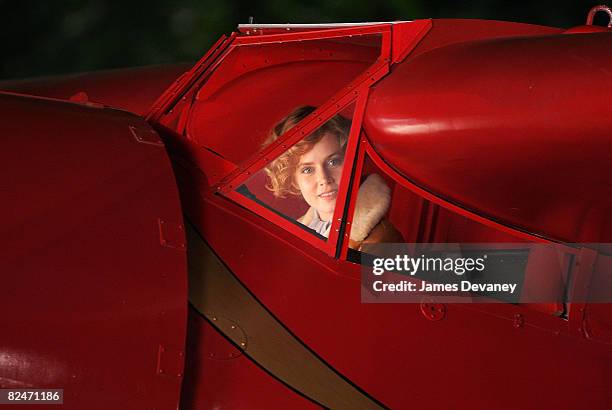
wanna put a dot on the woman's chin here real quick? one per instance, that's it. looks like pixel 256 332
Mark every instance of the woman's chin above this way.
pixel 325 213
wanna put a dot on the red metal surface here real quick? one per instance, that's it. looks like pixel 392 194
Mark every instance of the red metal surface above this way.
pixel 445 32
pixel 352 198
pixel 91 301
pixel 219 376
pixel 406 36
pixel 452 224
pixel 330 33
pixel 515 131
pixel 287 225
pixel 311 71
pixel 131 89
pixel 380 162
pixel 177 90
pixel 350 154
pixel 316 297
pixel 586 29
pixel 580 291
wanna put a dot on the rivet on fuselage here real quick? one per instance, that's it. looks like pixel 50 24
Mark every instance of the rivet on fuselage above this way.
pixel 519 321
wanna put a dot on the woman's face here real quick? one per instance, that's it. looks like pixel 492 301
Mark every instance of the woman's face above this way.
pixel 318 175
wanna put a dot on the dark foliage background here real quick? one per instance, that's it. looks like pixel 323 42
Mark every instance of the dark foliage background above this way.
pixel 52 37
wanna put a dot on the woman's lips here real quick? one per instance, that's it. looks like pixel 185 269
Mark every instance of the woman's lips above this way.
pixel 329 195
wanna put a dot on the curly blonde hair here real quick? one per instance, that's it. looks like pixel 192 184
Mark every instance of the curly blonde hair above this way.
pixel 281 171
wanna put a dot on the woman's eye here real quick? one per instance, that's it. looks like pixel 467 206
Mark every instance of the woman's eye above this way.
pixel 307 170
pixel 334 162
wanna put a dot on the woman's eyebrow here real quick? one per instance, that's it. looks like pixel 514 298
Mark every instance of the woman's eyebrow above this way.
pixel 337 153
pixel 340 153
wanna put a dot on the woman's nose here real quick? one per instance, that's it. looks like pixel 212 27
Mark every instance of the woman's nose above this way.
pixel 324 176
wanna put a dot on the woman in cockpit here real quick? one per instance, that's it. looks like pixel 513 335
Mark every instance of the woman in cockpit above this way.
pixel 312 169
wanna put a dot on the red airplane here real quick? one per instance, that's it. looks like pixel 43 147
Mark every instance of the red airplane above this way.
pixel 158 254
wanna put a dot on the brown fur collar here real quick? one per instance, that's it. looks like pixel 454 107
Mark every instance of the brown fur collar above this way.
pixel 372 204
